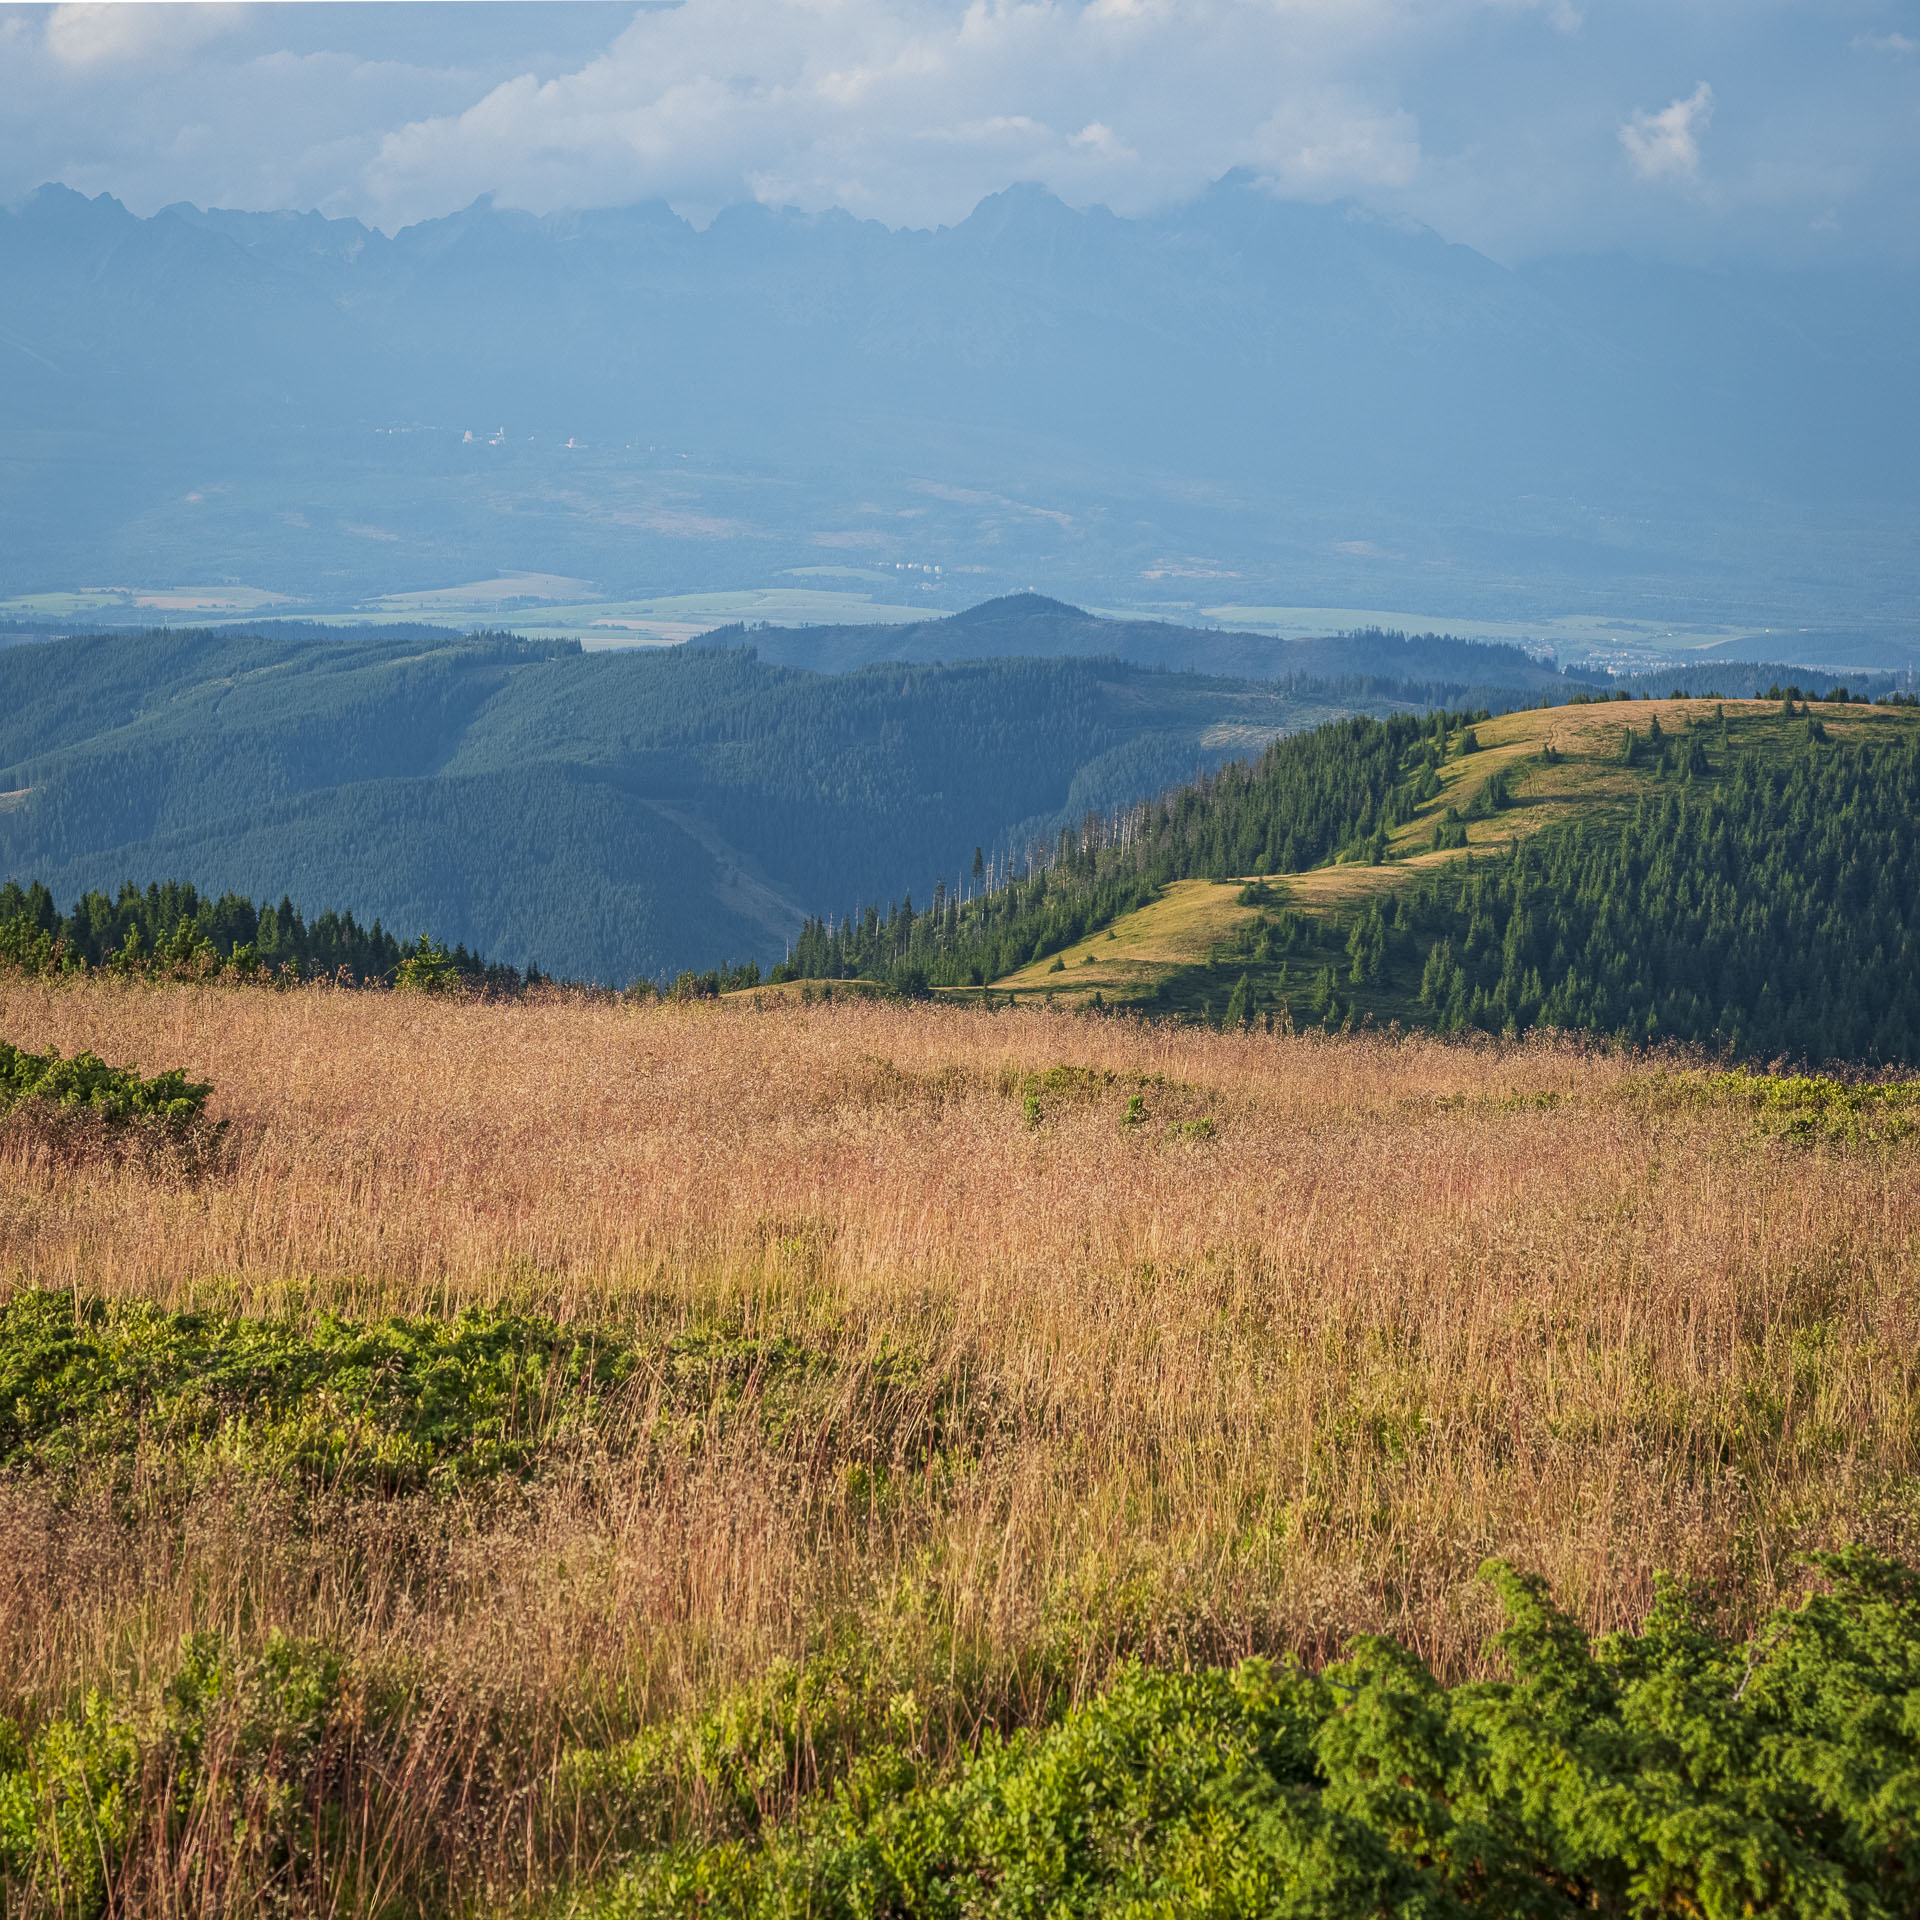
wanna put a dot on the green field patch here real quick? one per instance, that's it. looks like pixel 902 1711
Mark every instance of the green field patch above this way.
pixel 385 1404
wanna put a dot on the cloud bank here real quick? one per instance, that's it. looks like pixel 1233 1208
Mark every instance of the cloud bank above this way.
pixel 1521 126
pixel 909 109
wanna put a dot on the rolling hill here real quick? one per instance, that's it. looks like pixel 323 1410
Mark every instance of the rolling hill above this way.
pixel 1034 626
pixel 1165 950
pixel 605 816
pixel 1737 874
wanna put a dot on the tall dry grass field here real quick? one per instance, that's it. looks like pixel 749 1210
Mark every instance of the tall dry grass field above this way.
pixel 1025 1387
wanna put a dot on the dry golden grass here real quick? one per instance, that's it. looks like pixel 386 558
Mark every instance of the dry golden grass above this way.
pixel 1412 1304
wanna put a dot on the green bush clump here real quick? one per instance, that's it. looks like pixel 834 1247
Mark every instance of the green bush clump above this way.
pixel 390 1404
pixel 221 1759
pixel 1663 1772
pixel 67 1800
pixel 408 1402
pixel 1057 1083
pixel 1670 1771
pixel 744 1765
pixel 1816 1106
pixel 117 1095
pixel 427 969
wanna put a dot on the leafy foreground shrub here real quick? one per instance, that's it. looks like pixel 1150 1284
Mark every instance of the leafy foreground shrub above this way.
pixel 121 1096
pixel 208 1787
pixel 1666 1772
pixel 382 1405
pixel 1663 1772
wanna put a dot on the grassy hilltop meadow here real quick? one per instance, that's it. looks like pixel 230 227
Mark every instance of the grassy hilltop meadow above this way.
pixel 1337 1343
pixel 1734 874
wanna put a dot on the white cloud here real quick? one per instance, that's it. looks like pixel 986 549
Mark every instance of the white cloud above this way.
pixel 1666 145
pixel 1498 122
pixel 1326 144
pixel 911 109
pixel 87 34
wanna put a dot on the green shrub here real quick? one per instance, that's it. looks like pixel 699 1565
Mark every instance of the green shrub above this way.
pixel 219 1760
pixel 426 968
pixel 1666 1772
pixel 1816 1106
pixel 392 1404
pixel 400 1404
pixel 117 1095
pixel 67 1801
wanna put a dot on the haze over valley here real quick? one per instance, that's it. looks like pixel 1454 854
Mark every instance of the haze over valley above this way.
pixel 1233 409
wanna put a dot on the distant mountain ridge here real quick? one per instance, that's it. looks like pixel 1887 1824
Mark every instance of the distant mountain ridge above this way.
pixel 1035 626
pixel 1241 398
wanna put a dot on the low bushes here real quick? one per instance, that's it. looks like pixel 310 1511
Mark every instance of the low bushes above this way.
pixel 120 1096
pixel 1809 1107
pixel 1663 1772
pixel 205 1795
pixel 388 1404
pixel 81 1109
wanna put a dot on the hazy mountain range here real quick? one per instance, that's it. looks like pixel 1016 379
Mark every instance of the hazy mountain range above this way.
pixel 1243 399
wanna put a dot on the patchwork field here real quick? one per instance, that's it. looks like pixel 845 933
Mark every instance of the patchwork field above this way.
pixel 540 1433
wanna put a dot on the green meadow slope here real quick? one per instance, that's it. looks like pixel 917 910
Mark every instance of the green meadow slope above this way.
pixel 1730 873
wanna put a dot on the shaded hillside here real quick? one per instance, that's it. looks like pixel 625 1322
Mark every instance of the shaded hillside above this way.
pixel 1030 625
pixel 603 815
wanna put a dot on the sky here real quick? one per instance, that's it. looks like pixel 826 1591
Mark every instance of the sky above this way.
pixel 1778 132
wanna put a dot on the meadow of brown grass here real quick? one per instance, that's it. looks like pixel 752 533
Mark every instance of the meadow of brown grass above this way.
pixel 1087 1389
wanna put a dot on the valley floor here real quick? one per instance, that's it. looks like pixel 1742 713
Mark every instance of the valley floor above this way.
pixel 954 1357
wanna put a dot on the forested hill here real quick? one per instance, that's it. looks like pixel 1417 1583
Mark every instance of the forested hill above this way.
pixel 1032 626
pixel 603 816
pixel 1741 875
pixel 1336 792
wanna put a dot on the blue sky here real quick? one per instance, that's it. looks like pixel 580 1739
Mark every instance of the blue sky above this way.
pixel 1778 131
